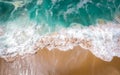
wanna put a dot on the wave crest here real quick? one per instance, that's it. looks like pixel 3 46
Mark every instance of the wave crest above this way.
pixel 102 40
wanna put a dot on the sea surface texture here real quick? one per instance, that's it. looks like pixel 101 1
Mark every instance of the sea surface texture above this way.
pixel 29 25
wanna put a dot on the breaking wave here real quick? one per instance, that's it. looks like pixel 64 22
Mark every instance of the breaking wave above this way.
pixel 30 25
pixel 102 40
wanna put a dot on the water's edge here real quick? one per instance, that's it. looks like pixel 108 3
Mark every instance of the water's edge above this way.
pixel 102 40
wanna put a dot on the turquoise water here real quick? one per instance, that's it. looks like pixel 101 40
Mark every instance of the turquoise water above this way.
pixel 60 12
pixel 26 25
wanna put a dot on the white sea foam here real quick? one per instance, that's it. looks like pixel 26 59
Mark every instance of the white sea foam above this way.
pixel 102 40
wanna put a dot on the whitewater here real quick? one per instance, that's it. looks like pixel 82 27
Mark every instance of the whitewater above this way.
pixel 102 40
pixel 27 26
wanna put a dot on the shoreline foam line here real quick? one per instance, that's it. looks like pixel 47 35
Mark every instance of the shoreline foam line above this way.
pixel 102 40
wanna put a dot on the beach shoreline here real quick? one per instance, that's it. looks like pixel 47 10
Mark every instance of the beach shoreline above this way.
pixel 76 61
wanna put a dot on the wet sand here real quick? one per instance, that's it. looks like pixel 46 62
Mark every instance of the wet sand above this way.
pixel 73 62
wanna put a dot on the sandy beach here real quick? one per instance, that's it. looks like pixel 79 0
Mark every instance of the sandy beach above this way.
pixel 72 62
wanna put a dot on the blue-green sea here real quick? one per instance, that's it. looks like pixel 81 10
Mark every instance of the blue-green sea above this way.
pixel 24 22
pixel 60 12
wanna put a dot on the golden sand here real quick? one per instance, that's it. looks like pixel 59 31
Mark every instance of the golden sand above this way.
pixel 73 62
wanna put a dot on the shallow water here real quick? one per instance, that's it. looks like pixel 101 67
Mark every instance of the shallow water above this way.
pixel 56 62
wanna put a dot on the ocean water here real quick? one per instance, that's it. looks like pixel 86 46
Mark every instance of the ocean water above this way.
pixel 29 25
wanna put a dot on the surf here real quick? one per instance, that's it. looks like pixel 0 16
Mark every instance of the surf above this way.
pixel 29 26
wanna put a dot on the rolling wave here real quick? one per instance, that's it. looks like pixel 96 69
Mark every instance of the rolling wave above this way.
pixel 29 25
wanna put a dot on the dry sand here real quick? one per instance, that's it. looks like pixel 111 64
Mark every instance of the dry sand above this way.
pixel 73 62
